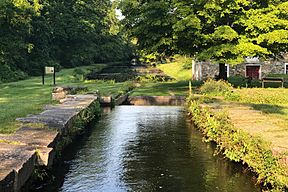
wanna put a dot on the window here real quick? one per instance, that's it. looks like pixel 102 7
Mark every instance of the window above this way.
pixel 286 68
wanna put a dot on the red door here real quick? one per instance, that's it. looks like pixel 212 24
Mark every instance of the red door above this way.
pixel 253 72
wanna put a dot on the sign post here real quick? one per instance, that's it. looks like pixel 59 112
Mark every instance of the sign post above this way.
pixel 46 71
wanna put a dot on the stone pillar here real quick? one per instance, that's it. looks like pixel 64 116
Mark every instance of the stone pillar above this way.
pixel 193 70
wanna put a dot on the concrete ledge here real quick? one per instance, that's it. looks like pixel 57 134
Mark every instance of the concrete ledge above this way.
pixel 106 101
pixel 120 100
pixel 34 143
pixel 157 100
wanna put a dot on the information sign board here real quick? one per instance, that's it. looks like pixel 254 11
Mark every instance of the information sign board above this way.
pixel 46 71
pixel 49 70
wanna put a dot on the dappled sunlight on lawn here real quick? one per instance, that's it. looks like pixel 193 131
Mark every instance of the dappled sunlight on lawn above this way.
pixel 3 100
pixel 176 69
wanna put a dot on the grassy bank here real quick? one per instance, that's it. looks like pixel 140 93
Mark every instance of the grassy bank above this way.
pixel 21 98
pixel 179 86
pixel 249 126
pixel 180 70
pixel 239 146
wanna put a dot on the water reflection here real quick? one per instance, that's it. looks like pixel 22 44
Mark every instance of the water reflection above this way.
pixel 149 149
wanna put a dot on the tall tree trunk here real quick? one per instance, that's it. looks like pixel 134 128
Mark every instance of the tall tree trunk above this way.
pixel 222 71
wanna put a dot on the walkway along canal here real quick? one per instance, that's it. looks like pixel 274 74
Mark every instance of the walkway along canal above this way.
pixel 146 148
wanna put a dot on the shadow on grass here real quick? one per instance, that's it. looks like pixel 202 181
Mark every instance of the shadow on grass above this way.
pixel 269 108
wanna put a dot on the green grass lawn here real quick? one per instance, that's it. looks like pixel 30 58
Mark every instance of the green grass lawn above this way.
pixel 178 87
pixel 271 101
pixel 17 99
pixel 176 69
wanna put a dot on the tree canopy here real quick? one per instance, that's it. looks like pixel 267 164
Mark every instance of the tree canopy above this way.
pixel 150 22
pixel 223 31
pixel 61 33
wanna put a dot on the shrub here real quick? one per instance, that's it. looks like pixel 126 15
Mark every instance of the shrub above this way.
pixel 152 78
pixel 7 74
pixel 216 88
pixel 126 87
pixel 237 81
pixel 79 74
pixel 240 81
pixel 187 64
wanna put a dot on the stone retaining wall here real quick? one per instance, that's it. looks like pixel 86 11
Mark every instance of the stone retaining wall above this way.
pixel 120 100
pixel 35 142
pixel 156 100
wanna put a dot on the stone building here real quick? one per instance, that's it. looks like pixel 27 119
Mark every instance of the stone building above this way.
pixel 252 67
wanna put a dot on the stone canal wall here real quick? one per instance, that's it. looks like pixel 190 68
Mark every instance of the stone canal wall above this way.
pixel 156 100
pixel 41 138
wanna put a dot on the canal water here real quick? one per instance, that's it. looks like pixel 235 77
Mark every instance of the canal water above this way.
pixel 146 148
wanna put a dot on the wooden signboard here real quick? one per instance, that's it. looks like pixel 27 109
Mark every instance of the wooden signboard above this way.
pixel 47 71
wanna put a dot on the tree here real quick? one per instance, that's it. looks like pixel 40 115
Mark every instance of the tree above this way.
pixel 150 23
pixel 223 31
pixel 268 26
pixel 15 30
pixel 67 33
pixel 228 31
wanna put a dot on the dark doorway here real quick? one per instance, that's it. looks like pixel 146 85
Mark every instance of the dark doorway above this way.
pixel 253 72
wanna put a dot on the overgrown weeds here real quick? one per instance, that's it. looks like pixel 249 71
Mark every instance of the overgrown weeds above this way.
pixel 216 88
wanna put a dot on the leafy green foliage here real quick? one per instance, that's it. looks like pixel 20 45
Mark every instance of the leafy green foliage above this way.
pixel 7 74
pixel 220 31
pixel 150 78
pixel 150 22
pixel 34 34
pixel 238 145
pixel 216 88
pixel 230 29
pixel 79 74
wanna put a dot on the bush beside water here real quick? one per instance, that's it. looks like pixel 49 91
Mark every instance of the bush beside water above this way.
pixel 216 88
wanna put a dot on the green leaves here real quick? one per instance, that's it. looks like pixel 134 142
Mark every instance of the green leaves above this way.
pixel 252 29
pixel 222 31
pixel 151 24
pixel 35 33
pixel 276 36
